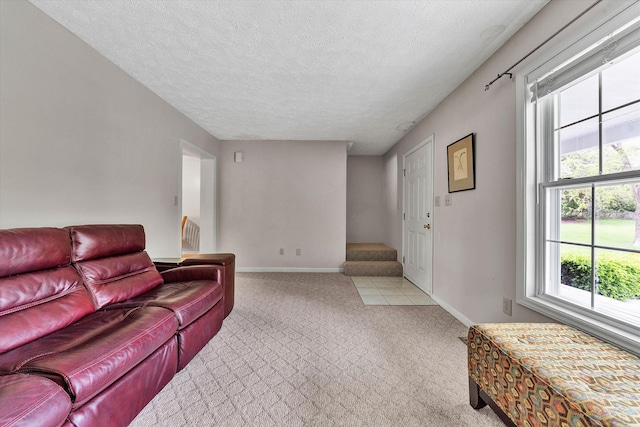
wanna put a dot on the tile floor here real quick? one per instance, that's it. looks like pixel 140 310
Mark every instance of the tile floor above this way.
pixel 390 291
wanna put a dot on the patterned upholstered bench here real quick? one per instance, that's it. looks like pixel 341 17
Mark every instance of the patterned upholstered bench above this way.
pixel 552 375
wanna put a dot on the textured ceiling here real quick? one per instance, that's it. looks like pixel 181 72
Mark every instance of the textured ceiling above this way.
pixel 358 71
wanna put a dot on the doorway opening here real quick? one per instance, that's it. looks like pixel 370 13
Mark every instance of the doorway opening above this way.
pixel 198 201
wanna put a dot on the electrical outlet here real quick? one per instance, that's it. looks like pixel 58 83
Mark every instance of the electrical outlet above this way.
pixel 506 306
pixel 281 251
pixel 298 252
pixel 447 200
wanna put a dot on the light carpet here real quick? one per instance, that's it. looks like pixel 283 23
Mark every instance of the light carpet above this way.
pixel 301 349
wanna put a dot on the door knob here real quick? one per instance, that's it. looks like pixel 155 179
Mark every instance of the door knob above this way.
pixel 427 226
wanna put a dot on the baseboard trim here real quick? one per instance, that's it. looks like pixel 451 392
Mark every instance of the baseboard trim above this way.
pixel 455 313
pixel 288 270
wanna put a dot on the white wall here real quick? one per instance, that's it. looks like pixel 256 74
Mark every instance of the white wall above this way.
pixel 81 141
pixel 285 194
pixel 191 188
pixel 365 209
pixel 475 238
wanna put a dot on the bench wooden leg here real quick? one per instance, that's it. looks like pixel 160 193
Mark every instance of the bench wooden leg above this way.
pixel 479 399
pixel 475 400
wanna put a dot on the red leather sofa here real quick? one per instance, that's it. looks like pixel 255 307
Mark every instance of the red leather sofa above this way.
pixel 90 331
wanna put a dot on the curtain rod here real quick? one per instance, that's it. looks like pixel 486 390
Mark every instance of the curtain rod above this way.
pixel 507 73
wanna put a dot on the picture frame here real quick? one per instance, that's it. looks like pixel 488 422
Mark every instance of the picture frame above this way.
pixel 461 164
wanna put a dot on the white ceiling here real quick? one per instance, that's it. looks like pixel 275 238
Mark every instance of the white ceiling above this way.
pixel 358 71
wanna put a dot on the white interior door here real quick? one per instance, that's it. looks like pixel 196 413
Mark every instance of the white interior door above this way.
pixel 418 215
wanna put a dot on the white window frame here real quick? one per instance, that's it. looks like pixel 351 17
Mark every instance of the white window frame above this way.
pixel 608 18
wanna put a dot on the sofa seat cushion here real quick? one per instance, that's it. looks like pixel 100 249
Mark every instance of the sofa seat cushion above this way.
pixel 119 404
pixel 188 300
pixel 28 400
pixel 89 355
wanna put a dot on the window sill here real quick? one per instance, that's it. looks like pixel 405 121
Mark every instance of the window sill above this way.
pixel 614 335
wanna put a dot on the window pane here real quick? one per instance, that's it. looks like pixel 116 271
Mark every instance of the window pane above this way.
pixel 579 149
pixel 575 215
pixel 621 139
pixel 615 223
pixel 579 101
pixel 575 275
pixel 621 83
pixel 618 284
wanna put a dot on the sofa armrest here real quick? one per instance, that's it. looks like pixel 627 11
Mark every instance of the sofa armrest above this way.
pixel 223 274
pixel 227 261
pixel 194 272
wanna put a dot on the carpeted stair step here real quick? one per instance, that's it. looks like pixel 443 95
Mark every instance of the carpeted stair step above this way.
pixel 370 252
pixel 373 268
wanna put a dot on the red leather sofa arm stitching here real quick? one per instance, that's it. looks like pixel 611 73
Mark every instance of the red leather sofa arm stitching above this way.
pixel 194 272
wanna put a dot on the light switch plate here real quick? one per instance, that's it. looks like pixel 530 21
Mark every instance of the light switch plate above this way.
pixel 437 201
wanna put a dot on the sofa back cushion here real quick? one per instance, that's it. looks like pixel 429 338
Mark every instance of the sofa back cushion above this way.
pixel 39 291
pixel 112 261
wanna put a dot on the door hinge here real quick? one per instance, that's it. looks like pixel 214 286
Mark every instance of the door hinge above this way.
pixel 403 259
pixel 404 216
pixel 404 172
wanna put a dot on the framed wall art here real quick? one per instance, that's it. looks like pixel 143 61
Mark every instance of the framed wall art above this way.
pixel 461 164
